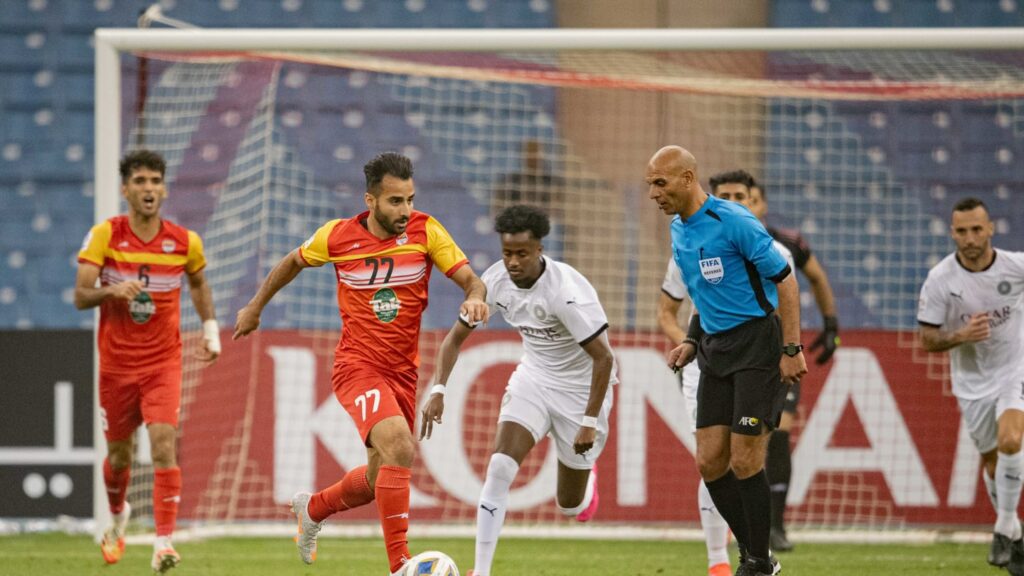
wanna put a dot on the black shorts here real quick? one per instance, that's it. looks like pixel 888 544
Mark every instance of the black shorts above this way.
pixel 740 383
pixel 792 398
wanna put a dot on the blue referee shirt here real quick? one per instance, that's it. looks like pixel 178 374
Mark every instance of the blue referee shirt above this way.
pixel 729 264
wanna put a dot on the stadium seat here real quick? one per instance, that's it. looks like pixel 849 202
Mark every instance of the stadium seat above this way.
pixel 24 51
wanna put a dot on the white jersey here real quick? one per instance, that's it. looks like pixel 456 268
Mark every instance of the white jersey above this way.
pixel 556 316
pixel 952 294
pixel 673 283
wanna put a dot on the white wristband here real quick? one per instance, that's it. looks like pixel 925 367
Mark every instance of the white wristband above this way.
pixel 438 389
pixel 211 333
pixel 589 422
pixel 465 320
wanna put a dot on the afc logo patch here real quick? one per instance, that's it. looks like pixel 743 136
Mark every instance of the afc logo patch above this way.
pixel 712 270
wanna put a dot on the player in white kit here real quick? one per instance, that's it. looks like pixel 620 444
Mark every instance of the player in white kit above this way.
pixel 673 295
pixel 561 386
pixel 971 304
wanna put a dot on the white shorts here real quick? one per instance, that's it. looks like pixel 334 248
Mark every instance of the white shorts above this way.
pixel 982 415
pixel 690 375
pixel 558 412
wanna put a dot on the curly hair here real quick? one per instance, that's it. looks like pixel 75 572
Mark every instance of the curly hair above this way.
pixel 521 218
pixel 142 159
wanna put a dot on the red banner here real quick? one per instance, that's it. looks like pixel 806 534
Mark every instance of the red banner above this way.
pixel 878 438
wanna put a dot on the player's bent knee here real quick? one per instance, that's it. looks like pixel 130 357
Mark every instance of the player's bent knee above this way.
pixel 712 469
pixel 502 467
pixel 396 450
pixel 119 457
pixel 1009 444
pixel 746 464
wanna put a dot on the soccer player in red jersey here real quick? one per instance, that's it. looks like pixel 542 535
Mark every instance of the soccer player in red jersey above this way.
pixel 139 258
pixel 382 259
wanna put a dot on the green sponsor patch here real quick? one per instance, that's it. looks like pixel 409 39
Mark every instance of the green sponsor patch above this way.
pixel 142 308
pixel 385 304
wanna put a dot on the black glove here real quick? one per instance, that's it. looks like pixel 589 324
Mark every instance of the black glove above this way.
pixel 828 340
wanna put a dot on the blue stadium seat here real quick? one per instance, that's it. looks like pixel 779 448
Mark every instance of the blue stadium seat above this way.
pixel 18 89
pixel 84 17
pixel 25 51
pixel 75 52
pixel 24 16
pixel 77 88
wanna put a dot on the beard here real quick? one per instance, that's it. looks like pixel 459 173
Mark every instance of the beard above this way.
pixel 393 227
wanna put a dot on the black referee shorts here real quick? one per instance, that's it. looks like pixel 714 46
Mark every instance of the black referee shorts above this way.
pixel 740 383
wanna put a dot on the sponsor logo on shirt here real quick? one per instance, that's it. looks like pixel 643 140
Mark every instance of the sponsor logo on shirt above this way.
pixel 996 317
pixel 385 305
pixel 1004 287
pixel 549 334
pixel 712 270
pixel 141 308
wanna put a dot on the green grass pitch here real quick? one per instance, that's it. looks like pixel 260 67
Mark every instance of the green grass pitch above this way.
pixel 60 555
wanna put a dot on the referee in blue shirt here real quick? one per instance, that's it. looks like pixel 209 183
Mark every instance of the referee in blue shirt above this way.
pixel 737 280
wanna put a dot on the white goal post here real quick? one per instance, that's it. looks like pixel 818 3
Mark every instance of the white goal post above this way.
pixel 111 44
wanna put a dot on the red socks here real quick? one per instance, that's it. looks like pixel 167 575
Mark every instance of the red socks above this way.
pixel 166 496
pixel 117 485
pixel 351 492
pixel 392 489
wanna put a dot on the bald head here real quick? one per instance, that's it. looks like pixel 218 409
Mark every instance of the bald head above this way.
pixel 672 181
pixel 675 157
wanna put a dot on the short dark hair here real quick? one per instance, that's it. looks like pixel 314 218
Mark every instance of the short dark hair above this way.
pixel 732 177
pixel 968 204
pixel 383 164
pixel 143 158
pixel 522 218
pixel 760 186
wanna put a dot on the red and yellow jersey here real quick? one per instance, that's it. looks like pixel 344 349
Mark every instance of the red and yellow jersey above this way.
pixel 382 284
pixel 144 334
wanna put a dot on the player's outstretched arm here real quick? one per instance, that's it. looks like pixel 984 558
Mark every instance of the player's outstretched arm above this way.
pixel 248 319
pixel 88 295
pixel 792 368
pixel 473 309
pixel 601 353
pixel 935 339
pixel 446 358
pixel 202 299
pixel 828 340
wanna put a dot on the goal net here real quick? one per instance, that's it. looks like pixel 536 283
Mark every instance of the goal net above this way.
pixel 863 151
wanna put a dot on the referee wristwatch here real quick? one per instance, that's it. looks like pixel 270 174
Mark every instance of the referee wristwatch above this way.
pixel 792 349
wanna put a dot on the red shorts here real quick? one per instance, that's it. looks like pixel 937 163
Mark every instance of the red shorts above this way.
pixel 128 400
pixel 370 394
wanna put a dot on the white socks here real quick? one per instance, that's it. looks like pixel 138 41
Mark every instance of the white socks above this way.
pixel 990 488
pixel 1009 468
pixel 716 530
pixel 161 542
pixel 490 515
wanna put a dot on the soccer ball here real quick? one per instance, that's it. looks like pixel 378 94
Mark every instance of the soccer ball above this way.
pixel 431 563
